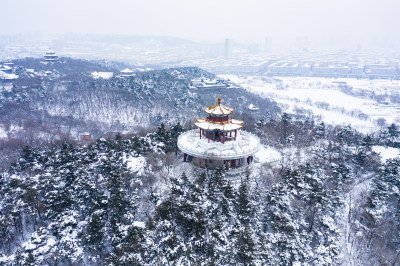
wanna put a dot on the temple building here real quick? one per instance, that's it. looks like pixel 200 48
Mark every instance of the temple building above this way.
pixel 50 56
pixel 127 73
pixel 9 63
pixel 218 140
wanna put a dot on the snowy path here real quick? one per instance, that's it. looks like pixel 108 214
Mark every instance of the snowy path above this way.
pixel 183 167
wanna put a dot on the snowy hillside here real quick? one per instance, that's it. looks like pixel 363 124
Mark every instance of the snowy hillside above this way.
pixel 317 193
pixel 318 197
pixel 363 104
pixel 62 100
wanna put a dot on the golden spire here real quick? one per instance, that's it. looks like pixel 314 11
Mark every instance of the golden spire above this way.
pixel 219 101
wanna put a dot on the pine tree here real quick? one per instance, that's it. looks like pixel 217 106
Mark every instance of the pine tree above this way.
pixel 175 132
pixel 163 135
pixel 393 131
pixel 30 260
pixel 137 145
pixel 243 205
pixel 245 246
pixel 320 130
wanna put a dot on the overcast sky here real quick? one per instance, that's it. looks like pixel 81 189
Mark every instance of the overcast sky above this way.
pixel 205 20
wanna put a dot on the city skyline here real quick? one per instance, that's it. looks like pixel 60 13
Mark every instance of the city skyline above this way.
pixel 209 21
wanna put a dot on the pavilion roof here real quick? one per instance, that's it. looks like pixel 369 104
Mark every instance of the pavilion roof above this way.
pixel 219 109
pixel 230 125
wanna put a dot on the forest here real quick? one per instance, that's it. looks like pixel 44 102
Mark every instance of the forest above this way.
pixel 117 199
pixel 56 102
pixel 83 204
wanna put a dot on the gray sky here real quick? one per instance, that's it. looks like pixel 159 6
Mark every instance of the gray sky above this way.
pixel 206 20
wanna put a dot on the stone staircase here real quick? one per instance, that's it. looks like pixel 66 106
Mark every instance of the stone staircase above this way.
pixel 184 167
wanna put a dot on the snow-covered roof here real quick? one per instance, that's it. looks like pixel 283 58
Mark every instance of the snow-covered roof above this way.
pixel 50 52
pixel 6 76
pixel 126 70
pixel 219 109
pixel 229 125
pixel 5 68
pixel 252 107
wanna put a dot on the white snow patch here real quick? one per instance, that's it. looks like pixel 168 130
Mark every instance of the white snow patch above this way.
pixel 103 75
pixel 324 98
pixel 3 133
pixel 138 224
pixel 6 87
pixel 136 164
pixel 267 154
pixel 386 153
pixel 7 76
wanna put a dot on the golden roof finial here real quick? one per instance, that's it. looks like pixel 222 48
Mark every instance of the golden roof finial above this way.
pixel 219 101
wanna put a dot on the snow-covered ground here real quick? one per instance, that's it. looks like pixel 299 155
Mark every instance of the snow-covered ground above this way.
pixel 386 153
pixel 267 154
pixel 103 75
pixel 6 87
pixel 324 97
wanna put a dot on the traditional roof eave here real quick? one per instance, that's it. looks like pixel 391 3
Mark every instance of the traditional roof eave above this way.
pixel 225 127
pixel 219 110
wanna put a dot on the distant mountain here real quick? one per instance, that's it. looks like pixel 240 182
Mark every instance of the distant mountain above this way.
pixel 124 48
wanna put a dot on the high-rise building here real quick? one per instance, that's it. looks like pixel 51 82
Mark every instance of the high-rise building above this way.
pixel 227 48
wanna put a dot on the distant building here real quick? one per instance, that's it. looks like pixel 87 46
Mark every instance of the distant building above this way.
pixel 356 70
pixel 6 69
pixel 253 108
pixel 9 63
pixel 283 69
pixel 209 84
pixel 85 136
pixel 323 70
pixel 50 56
pixel 383 71
pixel 127 73
pixel 304 69
pixel 6 73
pixel 7 77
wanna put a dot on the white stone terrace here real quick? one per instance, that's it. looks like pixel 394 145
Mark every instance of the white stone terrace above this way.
pixel 246 144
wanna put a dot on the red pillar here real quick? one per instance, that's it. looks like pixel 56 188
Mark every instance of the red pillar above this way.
pixel 235 133
pixel 224 139
pixel 208 136
pixel 184 157
pixel 214 136
pixel 200 133
pixel 230 134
